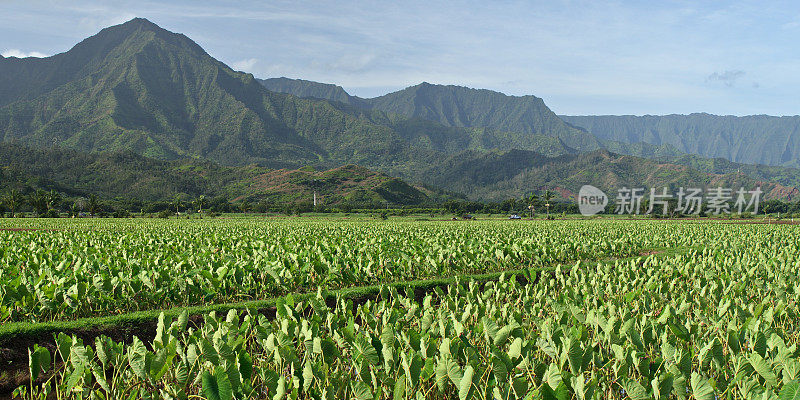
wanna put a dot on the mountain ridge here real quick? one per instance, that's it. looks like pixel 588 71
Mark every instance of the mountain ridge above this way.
pixel 138 88
pixel 454 106
pixel 753 139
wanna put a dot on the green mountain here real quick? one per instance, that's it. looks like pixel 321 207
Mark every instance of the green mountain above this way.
pixel 137 87
pixel 523 120
pixel 465 107
pixel 129 175
pixel 500 175
pixel 136 99
pixel 140 88
pixel 755 139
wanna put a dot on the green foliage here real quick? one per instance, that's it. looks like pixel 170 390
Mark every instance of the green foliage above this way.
pixel 101 267
pixel 715 322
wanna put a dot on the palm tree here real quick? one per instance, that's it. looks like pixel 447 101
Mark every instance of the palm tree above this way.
pixel 13 199
pixel 94 205
pixel 548 195
pixel 80 204
pixel 200 202
pixel 177 203
pixel 532 201
pixel 39 202
pixel 53 200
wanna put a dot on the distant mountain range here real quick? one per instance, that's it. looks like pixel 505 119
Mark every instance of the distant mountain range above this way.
pixel 755 139
pixel 136 97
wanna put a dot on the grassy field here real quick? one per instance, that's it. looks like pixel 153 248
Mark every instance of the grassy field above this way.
pixel 358 307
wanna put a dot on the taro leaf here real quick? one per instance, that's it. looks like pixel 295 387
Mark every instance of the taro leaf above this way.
pixel 415 369
pixel 245 366
pixel 553 376
pixel 764 369
pixel 183 320
pixel 454 372
pixel 79 357
pixel 790 391
pixel 182 374
pixel 441 373
pixel 717 353
pixel 502 335
pixel 100 378
pixel 74 378
pixel 308 375
pixel 635 390
pixel 575 354
pixel 100 350
pixel 387 346
pixel 489 329
pixel 367 351
pixel 162 361
pixel 559 393
pixel 400 388
pixel 701 388
pixel 271 380
pixel 668 351
pixel 362 391
pixel 520 386
pixel 662 385
pixel 209 352
pixel 515 350
pixel 137 355
pixel 733 342
pixel 217 386
pixel 678 383
pixel 760 344
pixel 499 367
pixel 679 331
pixel 38 361
pixel 465 387
pixel 160 328
pixel 280 389
pixel 548 347
pixel 329 351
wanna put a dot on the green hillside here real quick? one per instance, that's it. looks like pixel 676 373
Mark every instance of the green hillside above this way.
pixel 500 175
pixel 755 139
pixel 132 176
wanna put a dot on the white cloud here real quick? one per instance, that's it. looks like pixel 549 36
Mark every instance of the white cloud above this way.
pixel 21 54
pixel 728 78
pixel 244 65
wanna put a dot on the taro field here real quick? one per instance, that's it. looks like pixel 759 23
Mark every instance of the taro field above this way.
pixel 400 309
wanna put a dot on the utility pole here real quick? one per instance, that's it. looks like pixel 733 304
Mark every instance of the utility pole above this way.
pixel 316 184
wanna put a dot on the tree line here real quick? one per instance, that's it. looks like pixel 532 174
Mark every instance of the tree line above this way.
pixel 52 204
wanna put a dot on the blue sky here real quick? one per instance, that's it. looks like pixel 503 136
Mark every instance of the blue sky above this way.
pixel 582 57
